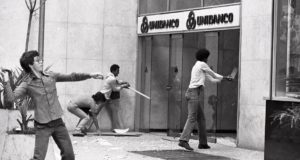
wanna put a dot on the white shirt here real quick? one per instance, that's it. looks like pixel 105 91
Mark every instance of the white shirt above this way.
pixel 111 83
pixel 199 73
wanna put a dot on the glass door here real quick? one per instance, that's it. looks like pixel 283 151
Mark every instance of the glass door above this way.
pixel 159 80
pixel 154 82
pixel 174 86
pixel 145 52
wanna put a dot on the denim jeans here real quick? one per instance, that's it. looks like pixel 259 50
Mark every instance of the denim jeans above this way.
pixel 59 133
pixel 195 98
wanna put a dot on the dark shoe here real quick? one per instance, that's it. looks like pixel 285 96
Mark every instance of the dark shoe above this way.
pixel 84 131
pixel 203 146
pixel 78 133
pixel 185 145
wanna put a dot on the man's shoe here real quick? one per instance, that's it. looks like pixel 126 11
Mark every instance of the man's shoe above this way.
pixel 203 146
pixel 84 130
pixel 185 145
pixel 78 133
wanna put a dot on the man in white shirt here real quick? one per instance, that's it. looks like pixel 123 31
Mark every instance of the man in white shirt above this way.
pixel 111 90
pixel 195 98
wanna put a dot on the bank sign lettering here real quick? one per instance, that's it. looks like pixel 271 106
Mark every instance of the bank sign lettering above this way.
pixel 184 21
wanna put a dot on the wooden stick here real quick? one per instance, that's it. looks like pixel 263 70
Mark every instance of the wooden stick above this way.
pixel 139 93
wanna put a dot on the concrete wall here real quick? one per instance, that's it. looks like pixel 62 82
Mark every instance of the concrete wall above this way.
pixel 255 62
pixel 80 36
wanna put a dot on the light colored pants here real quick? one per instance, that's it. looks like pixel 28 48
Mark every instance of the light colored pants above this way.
pixel 114 110
pixel 195 98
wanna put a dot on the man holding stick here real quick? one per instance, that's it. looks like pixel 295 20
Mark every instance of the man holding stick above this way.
pixel 111 90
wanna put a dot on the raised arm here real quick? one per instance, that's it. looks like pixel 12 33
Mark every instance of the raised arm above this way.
pixel 19 92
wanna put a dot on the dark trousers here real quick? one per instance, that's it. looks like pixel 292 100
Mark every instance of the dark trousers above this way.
pixel 195 98
pixel 59 133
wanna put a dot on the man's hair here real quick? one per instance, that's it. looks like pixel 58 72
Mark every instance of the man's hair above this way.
pixel 99 97
pixel 114 67
pixel 202 54
pixel 27 59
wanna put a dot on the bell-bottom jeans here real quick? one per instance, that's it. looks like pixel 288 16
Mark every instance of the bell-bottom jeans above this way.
pixel 195 98
pixel 60 135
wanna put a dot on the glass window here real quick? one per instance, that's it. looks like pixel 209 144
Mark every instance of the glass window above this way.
pixel 287 59
pixel 219 2
pixel 152 6
pixel 185 4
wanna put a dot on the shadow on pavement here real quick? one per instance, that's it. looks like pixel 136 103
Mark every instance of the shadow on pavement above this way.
pixel 179 155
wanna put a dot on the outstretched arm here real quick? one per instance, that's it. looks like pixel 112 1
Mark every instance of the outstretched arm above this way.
pixel 212 79
pixel 213 76
pixel 206 69
pixel 75 76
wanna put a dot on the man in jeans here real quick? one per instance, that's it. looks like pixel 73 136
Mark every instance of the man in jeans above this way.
pixel 41 87
pixel 195 98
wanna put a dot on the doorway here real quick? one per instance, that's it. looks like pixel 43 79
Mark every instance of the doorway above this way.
pixel 167 62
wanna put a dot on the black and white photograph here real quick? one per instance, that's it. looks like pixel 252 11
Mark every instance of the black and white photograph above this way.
pixel 149 79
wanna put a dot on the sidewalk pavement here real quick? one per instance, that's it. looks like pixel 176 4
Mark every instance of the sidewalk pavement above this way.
pixel 151 146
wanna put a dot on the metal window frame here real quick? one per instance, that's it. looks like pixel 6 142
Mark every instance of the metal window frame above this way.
pixel 274 49
pixel 272 95
pixel 172 11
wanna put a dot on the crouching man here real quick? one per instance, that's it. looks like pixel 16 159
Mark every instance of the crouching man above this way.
pixel 87 108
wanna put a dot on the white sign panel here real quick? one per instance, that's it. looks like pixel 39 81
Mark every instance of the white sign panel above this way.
pixel 201 19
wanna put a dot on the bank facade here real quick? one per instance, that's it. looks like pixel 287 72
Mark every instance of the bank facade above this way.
pixel 257 37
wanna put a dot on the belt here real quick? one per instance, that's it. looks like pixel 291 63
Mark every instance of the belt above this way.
pixel 198 88
pixel 53 123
